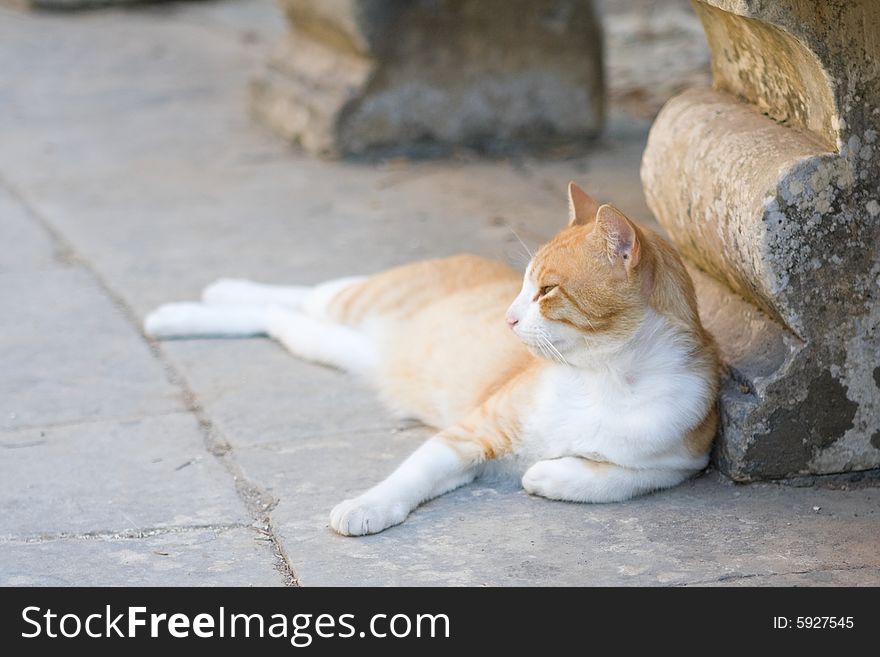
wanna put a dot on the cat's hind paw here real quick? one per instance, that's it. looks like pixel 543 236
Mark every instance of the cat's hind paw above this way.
pixel 194 320
pixel 363 515
pixel 172 320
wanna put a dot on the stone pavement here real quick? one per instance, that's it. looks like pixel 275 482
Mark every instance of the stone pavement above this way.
pixel 131 174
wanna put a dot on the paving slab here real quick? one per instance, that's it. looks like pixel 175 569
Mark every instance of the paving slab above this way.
pixel 69 354
pixel 208 557
pixel 492 533
pixel 27 245
pixel 858 576
pixel 256 393
pixel 201 180
pixel 111 476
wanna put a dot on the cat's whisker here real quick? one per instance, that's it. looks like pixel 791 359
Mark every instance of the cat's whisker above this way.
pixel 550 349
pixel 559 355
pixel 542 346
pixel 519 239
pixel 518 259
pixel 543 349
pixel 544 337
pixel 556 351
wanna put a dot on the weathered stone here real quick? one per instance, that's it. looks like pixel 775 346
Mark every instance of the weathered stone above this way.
pixel 277 400
pixel 361 75
pixel 33 247
pixel 768 183
pixel 69 355
pixel 832 577
pixel 654 49
pixel 72 5
pixel 115 476
pixel 491 533
pixel 237 556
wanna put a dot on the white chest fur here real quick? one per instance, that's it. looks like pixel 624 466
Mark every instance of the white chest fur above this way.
pixel 633 408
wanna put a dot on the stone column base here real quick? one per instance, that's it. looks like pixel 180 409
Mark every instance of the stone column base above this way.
pixel 768 183
pixel 361 76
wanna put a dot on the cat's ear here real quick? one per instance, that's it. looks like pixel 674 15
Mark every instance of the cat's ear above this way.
pixel 581 206
pixel 621 237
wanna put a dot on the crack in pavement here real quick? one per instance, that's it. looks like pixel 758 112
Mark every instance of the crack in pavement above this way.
pixel 114 419
pixel 733 577
pixel 258 502
pixel 119 534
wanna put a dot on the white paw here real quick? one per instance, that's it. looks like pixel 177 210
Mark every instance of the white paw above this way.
pixel 172 320
pixel 230 291
pixel 363 515
pixel 537 479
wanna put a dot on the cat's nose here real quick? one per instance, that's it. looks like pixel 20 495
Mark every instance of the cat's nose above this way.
pixel 511 322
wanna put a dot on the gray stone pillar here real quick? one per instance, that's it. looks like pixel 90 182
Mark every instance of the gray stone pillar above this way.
pixel 770 183
pixel 355 76
pixel 72 5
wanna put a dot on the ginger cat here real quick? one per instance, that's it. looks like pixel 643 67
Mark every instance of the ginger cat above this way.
pixel 599 374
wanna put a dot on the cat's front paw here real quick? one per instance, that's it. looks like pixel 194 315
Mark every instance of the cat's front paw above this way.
pixel 547 479
pixel 365 515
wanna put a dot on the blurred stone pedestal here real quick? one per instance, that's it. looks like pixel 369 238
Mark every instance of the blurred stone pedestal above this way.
pixel 355 76
pixel 768 182
pixel 71 5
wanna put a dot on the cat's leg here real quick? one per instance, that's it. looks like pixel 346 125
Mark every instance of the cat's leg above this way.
pixel 309 338
pixel 322 342
pixel 194 320
pixel 576 479
pixel 310 298
pixel 238 291
pixel 450 459
pixel 319 301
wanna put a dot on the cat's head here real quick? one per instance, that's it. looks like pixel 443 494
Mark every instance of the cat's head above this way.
pixel 586 291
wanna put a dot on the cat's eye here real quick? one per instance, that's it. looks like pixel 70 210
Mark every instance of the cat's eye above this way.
pixel 544 291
